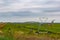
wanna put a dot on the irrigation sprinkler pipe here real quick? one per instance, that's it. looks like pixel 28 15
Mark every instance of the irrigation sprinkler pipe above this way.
pixel 42 22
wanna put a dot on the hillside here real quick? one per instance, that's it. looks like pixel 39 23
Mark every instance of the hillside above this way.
pixel 29 30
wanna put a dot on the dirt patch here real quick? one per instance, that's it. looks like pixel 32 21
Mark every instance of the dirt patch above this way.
pixel 2 25
pixel 34 37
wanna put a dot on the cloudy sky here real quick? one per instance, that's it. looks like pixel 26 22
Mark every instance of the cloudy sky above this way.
pixel 29 10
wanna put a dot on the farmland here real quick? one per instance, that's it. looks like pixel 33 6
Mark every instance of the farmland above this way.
pixel 29 31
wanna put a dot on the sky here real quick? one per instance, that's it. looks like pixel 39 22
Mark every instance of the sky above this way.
pixel 29 10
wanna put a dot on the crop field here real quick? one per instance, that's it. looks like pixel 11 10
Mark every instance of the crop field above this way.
pixel 29 31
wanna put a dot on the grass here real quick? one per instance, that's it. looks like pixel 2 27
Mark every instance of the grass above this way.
pixel 21 31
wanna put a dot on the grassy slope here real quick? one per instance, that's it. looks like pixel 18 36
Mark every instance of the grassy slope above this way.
pixel 26 27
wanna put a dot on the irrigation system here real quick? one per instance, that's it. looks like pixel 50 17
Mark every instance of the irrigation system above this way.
pixel 42 21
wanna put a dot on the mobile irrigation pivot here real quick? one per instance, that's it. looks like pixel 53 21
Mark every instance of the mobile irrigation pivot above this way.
pixel 42 21
pixel 52 21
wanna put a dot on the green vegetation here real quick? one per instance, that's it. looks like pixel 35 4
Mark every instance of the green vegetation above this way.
pixel 14 31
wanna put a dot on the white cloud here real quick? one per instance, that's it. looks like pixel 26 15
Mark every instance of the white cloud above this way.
pixel 53 13
pixel 34 6
pixel 16 5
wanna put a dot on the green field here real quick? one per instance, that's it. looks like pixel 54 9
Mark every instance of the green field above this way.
pixel 15 31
